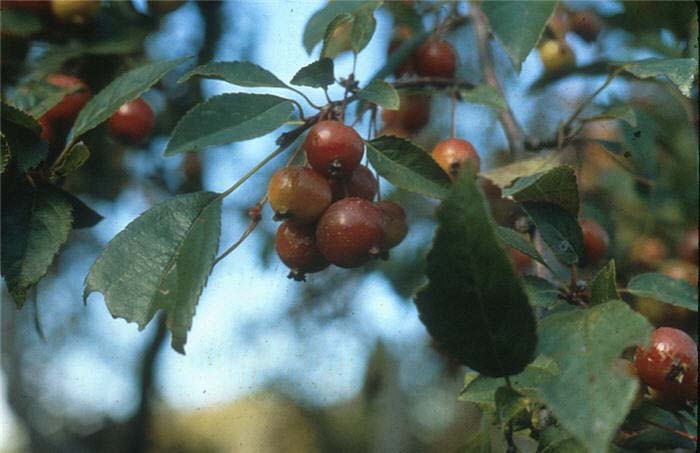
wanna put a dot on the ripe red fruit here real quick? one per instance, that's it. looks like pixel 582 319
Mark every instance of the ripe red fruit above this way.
pixel 688 247
pixel 333 148
pixel 453 154
pixel 46 129
pixel 298 194
pixel 520 260
pixel 296 247
pixel 132 122
pixel 670 365
pixel 393 223
pixel 71 104
pixel 586 24
pixel 595 240
pixel 361 184
pixel 412 115
pixel 436 59
pixel 350 232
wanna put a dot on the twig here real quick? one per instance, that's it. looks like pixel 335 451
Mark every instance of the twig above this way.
pixel 434 82
pixel 513 131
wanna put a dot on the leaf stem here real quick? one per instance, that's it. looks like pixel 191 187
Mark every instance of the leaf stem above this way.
pixel 306 98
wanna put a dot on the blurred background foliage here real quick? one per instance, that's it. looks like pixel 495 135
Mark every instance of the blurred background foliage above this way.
pixel 341 362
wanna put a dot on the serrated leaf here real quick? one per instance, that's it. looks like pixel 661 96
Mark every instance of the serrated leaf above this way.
pixel 585 345
pixel 241 73
pixel 381 93
pixel 21 133
pixel 473 304
pixel 484 95
pixel 35 224
pixel 83 215
pixel 74 159
pixel 503 176
pixel 518 25
pixel 556 186
pixel 160 261
pixel 363 26
pixel 514 239
pixel 665 289
pixel 315 28
pixel 649 437
pixel 19 23
pixel 604 285
pixel 540 292
pixel 618 112
pixel 123 89
pixel 559 230
pixel 20 118
pixel 337 37
pixel 407 166
pixel 318 74
pixel 680 71
pixel 228 118
pixel 38 97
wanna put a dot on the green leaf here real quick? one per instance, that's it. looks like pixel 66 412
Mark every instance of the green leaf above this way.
pixel 604 285
pixel 680 71
pixel 38 97
pixel 5 154
pixel 479 441
pixel 381 93
pixel 619 112
pixel 318 74
pixel 22 119
pixel 316 27
pixel 518 25
pixel 160 261
pixel 83 215
pixel 505 175
pixel 363 26
pixel 228 118
pixel 516 240
pixel 241 73
pixel 645 436
pixel 559 230
pixel 540 292
pixel 484 95
pixel 337 37
pixel 556 186
pixel 21 133
pixel 509 404
pixel 481 390
pixel 473 304
pixel 407 166
pixel 75 158
pixel 19 23
pixel 35 224
pixel 591 396
pixel 640 144
pixel 123 89
pixel 665 289
pixel 555 439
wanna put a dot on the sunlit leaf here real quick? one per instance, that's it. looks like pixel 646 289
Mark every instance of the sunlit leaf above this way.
pixel 381 93
pixel 241 73
pixel 665 289
pixel 318 74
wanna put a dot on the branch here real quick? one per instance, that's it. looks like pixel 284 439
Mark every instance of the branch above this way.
pixel 513 131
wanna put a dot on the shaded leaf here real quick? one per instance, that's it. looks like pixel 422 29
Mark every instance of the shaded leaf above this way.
pixel 15 22
pixel 503 176
pixel 38 97
pixel 604 285
pixel 649 437
pixel 241 73
pixel 337 37
pixel 18 117
pixel 665 289
pixel 35 224
pixel 618 112
pixel 556 186
pixel 559 230
pixel 381 93
pixel 585 344
pixel 518 25
pixel 318 74
pixel 123 89
pixel 509 404
pixel 228 118
pixel 5 154
pixel 363 26
pixel 317 25
pixel 680 71
pixel 555 439
pixel 514 239
pixel 540 292
pixel 83 215
pixel 407 166
pixel 479 441
pixel 473 304
pixel 22 139
pixel 484 95
pixel 160 261
pixel 75 158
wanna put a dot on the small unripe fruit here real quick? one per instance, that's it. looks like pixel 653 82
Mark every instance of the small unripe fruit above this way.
pixel 413 113
pixel 350 232
pixel 688 246
pixel 648 251
pixel 76 12
pixel 298 194
pixel 595 240
pixel 436 59
pixel 586 24
pixel 361 184
pixel 670 364
pixel 132 122
pixel 454 154
pixel 520 260
pixel 68 108
pixel 393 223
pixel 296 246
pixel 333 148
pixel 556 56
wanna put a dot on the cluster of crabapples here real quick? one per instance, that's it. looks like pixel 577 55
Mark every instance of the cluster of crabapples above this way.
pixel 555 52
pixel 328 210
pixel 130 124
